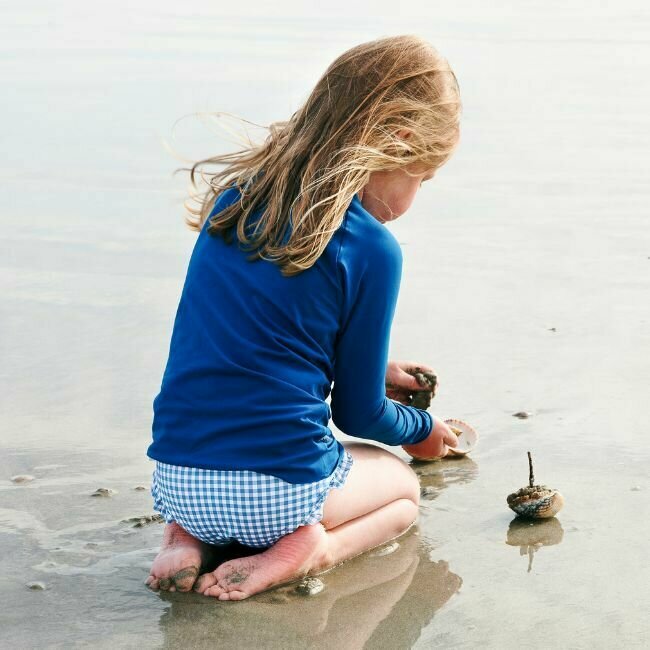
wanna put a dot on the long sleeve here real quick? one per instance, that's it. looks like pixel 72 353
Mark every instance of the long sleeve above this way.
pixel 371 269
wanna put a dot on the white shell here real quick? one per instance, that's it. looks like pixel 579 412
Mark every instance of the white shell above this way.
pixel 467 437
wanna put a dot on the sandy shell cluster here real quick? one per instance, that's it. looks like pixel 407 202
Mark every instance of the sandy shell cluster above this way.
pixel 535 501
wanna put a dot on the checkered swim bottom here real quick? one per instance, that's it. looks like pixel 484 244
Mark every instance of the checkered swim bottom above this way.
pixel 221 506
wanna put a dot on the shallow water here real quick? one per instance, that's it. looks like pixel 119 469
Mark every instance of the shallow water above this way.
pixel 526 285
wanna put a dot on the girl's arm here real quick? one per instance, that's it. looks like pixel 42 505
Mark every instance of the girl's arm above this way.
pixel 359 404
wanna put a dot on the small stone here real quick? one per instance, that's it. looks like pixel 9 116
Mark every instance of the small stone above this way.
pixel 144 520
pixel 428 492
pixel 36 586
pixel 522 415
pixel 103 492
pixel 22 478
pixel 139 488
pixel 636 488
pixel 385 550
pixel 310 587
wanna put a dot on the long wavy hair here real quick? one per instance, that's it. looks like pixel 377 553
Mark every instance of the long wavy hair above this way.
pixel 305 173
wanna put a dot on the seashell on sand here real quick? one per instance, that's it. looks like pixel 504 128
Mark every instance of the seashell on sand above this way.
pixel 535 501
pixel 22 478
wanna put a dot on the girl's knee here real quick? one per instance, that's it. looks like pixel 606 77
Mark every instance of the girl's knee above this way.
pixel 412 487
pixel 407 516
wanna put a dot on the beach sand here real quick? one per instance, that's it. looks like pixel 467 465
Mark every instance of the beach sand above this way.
pixel 526 285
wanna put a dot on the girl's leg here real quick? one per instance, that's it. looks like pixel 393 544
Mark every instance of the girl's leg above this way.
pixel 378 502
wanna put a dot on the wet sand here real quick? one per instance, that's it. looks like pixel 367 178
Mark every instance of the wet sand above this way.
pixel 525 285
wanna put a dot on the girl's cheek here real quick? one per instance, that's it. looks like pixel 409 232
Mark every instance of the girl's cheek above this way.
pixel 403 201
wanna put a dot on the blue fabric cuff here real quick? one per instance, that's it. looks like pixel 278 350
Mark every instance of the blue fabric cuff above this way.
pixel 429 418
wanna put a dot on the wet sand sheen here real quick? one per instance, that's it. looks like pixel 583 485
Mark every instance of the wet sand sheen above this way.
pixel 525 284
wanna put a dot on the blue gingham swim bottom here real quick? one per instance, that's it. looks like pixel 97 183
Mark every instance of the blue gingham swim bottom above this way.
pixel 222 506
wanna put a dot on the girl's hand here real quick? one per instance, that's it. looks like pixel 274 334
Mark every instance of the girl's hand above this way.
pixel 400 385
pixel 435 446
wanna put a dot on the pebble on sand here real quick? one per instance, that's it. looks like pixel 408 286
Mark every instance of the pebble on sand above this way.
pixel 385 550
pixel 139 488
pixel 36 586
pixel 22 478
pixel 429 492
pixel 144 520
pixel 103 492
pixel 522 415
pixel 310 587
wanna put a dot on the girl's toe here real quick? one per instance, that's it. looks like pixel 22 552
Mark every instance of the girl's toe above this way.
pixel 215 592
pixel 204 582
pixel 164 583
pixel 233 595
pixel 184 580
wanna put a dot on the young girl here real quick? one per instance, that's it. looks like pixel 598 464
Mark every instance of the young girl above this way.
pixel 291 287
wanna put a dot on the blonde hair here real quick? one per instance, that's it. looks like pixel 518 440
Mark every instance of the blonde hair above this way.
pixel 308 169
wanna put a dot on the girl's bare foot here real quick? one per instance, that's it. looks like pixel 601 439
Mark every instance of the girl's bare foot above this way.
pixel 291 557
pixel 179 561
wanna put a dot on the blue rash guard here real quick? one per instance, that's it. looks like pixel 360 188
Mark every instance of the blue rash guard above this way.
pixel 253 355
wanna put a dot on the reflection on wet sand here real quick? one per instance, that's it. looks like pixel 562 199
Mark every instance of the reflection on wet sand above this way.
pixel 531 535
pixel 436 476
pixel 374 600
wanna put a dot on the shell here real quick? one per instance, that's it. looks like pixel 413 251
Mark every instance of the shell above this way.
pixel 537 502
pixel 310 587
pixel 22 478
pixel 467 437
